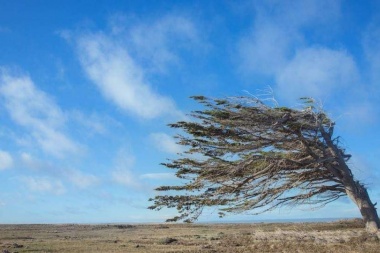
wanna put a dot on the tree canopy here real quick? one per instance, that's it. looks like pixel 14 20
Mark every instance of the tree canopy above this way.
pixel 245 155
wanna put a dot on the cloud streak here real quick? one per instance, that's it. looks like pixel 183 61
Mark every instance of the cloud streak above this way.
pixel 122 172
pixel 158 176
pixel 297 52
pixel 76 177
pixel 79 178
pixel 157 43
pixel 44 184
pixel 277 32
pixel 34 110
pixel 278 47
pixel 6 160
pixel 119 62
pixel 120 80
pixel 165 143
pixel 317 72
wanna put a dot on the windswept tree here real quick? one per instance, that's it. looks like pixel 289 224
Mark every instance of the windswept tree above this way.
pixel 245 155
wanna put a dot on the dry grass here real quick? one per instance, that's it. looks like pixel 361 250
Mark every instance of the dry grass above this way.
pixel 336 237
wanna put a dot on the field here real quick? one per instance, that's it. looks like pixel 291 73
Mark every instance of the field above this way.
pixel 342 236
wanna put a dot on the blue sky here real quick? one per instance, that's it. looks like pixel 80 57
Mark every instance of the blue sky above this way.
pixel 87 88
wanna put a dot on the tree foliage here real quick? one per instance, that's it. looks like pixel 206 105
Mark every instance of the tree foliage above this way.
pixel 244 155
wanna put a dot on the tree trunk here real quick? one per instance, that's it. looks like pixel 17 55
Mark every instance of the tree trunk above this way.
pixel 358 193
pixel 354 189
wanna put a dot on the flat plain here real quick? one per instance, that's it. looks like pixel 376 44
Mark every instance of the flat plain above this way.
pixel 341 236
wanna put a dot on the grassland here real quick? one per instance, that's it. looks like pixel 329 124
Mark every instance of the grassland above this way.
pixel 335 237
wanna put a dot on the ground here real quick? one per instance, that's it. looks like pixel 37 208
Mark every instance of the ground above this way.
pixel 343 236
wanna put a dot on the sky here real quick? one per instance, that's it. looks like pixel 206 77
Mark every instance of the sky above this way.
pixel 87 89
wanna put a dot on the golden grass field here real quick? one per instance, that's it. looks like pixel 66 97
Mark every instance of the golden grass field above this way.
pixel 335 237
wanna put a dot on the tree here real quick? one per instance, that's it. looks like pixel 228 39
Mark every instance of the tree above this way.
pixel 245 155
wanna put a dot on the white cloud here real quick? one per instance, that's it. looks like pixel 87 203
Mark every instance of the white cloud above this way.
pixel 32 163
pixel 109 65
pixel 292 49
pixel 317 72
pixel 122 172
pixel 92 122
pixel 124 176
pixel 158 176
pixel 165 143
pixel 44 184
pixel 266 50
pixel 76 177
pixel 121 60
pixel 79 178
pixel 278 47
pixel 277 31
pixel 37 112
pixel 6 160
pixel 157 42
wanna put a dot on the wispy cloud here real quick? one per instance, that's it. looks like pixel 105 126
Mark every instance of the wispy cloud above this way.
pixel 37 112
pixel 93 123
pixel 302 63
pixel 165 143
pixel 76 177
pixel 30 162
pixel 6 160
pixel 258 53
pixel 44 184
pixel 119 62
pixel 278 47
pixel 158 176
pixel 299 65
pixel 157 43
pixel 122 172
pixel 317 72
pixel 277 30
pixel 109 65
pixel 79 178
